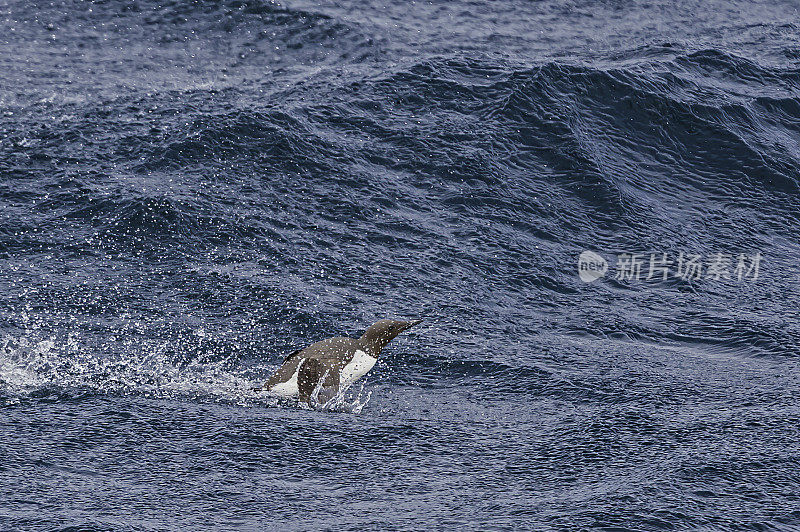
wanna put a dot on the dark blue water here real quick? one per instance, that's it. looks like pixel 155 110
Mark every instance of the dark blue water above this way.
pixel 191 190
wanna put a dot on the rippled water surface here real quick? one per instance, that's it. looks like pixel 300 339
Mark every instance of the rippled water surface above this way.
pixel 191 190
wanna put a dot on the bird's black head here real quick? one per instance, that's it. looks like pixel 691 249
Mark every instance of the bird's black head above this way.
pixel 382 332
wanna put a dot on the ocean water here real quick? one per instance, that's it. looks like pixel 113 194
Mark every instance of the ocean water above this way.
pixel 191 190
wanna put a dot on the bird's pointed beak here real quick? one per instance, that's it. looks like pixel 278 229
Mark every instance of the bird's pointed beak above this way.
pixel 411 323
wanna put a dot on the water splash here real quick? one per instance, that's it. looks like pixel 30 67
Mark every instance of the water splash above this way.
pixel 30 365
pixel 341 401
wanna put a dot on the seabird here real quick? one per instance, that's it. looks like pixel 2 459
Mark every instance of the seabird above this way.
pixel 336 363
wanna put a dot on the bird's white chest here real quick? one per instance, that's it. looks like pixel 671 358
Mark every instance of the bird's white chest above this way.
pixel 288 388
pixel 358 366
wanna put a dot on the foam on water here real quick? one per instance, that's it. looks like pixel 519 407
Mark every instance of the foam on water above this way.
pixel 29 365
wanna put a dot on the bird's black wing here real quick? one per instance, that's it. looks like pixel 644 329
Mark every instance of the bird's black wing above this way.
pixel 315 370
